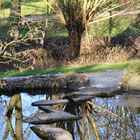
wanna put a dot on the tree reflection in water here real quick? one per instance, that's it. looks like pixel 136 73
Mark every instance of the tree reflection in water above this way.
pixel 14 104
pixel 101 120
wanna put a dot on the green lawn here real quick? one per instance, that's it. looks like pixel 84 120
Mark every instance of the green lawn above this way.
pixel 63 69
pixel 27 8
pixel 120 23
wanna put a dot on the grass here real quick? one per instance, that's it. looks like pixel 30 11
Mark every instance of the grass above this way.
pixel 64 69
pixel 135 68
pixel 34 8
pixel 27 8
pixel 133 71
pixel 119 25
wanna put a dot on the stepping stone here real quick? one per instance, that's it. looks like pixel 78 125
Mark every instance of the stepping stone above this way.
pixel 46 132
pixel 62 101
pixel 49 109
pixel 49 118
pixel 98 92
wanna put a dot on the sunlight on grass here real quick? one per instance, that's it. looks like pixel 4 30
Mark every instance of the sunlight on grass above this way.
pixel 63 69
pixel 4 13
pixel 29 8
pixel 34 8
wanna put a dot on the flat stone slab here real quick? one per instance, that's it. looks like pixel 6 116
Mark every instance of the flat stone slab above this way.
pixel 61 101
pixel 97 92
pixel 49 109
pixel 83 95
pixel 49 118
pixel 105 79
pixel 46 132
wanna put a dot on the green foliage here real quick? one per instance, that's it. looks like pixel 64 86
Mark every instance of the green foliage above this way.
pixel 5 4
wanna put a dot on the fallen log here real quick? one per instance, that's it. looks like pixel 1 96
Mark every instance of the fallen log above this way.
pixel 46 132
pixel 61 101
pixel 49 118
pixel 53 82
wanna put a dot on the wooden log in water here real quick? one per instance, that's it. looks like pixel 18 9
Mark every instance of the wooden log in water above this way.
pixel 61 101
pixel 49 118
pixel 50 81
pixel 46 132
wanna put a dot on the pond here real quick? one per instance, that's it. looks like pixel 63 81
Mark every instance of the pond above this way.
pixel 102 118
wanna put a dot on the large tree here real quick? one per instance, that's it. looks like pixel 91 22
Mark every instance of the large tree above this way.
pixel 77 14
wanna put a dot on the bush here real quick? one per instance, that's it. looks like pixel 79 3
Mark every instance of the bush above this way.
pixel 97 51
pixel 5 4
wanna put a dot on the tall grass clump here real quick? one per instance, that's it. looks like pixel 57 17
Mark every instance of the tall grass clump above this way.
pixel 133 71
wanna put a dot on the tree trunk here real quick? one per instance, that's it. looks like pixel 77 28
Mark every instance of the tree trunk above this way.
pixel 15 11
pixel 75 37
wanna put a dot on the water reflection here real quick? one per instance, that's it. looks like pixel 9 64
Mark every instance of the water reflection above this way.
pixel 14 104
pixel 27 109
pixel 101 119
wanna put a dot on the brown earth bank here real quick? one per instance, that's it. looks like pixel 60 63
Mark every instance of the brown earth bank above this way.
pixel 53 83
pixel 97 84
pixel 55 52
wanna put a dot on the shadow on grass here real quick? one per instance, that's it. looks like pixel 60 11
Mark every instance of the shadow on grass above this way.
pixel 6 4
pixel 128 36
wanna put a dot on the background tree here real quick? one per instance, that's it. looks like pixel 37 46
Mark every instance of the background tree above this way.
pixel 77 14
pixel 15 11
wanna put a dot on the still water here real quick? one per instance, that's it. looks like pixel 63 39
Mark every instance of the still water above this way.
pixel 102 118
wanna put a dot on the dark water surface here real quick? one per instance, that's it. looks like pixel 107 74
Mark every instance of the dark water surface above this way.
pixel 102 118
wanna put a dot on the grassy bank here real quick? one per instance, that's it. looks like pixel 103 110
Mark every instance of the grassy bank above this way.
pixel 27 8
pixel 63 69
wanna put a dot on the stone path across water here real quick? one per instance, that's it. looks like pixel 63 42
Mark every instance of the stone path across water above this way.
pixel 100 83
